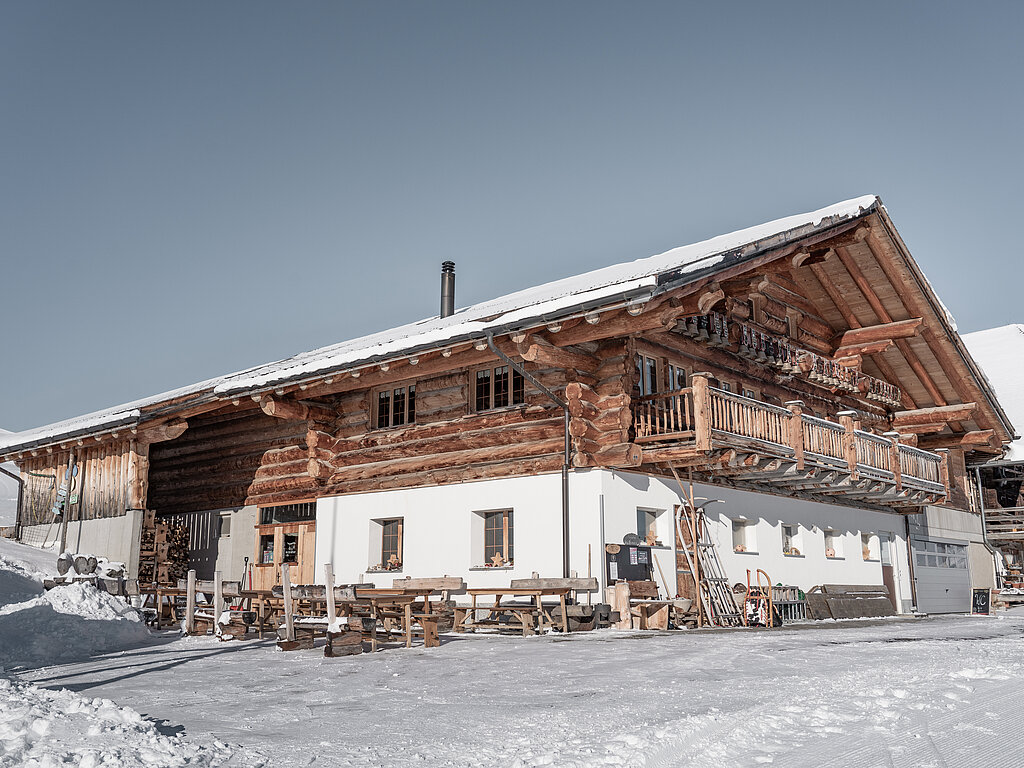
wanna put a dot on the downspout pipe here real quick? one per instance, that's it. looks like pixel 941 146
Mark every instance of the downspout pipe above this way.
pixel 984 524
pixel 568 445
pixel 21 497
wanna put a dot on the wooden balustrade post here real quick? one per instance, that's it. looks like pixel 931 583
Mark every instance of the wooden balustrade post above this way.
pixel 849 441
pixel 332 608
pixel 218 602
pixel 894 458
pixel 796 431
pixel 944 468
pixel 289 617
pixel 701 411
pixel 190 604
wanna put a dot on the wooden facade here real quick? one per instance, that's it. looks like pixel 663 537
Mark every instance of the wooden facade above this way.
pixel 820 366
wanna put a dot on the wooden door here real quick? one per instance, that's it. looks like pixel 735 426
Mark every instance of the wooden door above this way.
pixel 292 543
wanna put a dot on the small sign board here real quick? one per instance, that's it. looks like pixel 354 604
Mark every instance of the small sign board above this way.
pixel 980 602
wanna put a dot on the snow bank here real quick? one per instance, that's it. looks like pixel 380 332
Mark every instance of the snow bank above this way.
pixel 39 727
pixel 67 623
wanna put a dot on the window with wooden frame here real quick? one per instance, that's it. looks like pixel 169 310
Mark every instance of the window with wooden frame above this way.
pixel 676 377
pixel 391 544
pixel 750 394
pixel 498 538
pixel 395 406
pixel 498 387
pixel 647 369
pixel 290 548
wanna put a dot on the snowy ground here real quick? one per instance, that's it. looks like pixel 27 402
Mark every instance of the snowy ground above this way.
pixel 909 692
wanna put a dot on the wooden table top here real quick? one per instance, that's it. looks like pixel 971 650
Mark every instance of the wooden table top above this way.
pixel 542 592
pixel 391 592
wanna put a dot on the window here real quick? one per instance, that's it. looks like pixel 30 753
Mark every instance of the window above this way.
pixel 791 540
pixel 290 548
pixel 833 544
pixel 646 525
pixel 934 554
pixel 676 377
pixel 498 538
pixel 267 549
pixel 498 387
pixel 749 393
pixel 743 536
pixel 869 546
pixel 396 406
pixel 885 548
pixel 725 386
pixel 391 544
pixel 647 368
pixel 223 525
pixel 288 513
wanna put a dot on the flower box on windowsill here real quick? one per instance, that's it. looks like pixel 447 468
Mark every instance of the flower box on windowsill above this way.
pixel 492 567
pixel 383 570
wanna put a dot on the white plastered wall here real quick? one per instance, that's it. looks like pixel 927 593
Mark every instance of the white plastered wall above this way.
pixel 115 538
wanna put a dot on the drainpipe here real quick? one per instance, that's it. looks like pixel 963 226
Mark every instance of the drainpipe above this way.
pixel 21 496
pixel 984 524
pixel 568 450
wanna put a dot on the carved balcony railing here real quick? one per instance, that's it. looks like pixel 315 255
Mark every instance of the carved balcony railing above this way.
pixel 805 452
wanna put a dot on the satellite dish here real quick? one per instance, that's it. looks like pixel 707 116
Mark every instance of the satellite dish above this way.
pixel 631 540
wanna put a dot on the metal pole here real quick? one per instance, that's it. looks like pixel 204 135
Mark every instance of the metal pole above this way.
pixel 568 447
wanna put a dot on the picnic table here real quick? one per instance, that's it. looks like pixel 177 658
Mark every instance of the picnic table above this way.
pixel 525 613
pixel 160 593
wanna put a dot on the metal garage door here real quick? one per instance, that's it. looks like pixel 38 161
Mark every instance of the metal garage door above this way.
pixel 941 576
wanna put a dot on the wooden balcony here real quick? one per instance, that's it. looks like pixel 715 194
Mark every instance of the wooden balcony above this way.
pixel 784 450
pixel 1004 523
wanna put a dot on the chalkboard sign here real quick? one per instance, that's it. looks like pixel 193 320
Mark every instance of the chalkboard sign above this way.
pixel 980 601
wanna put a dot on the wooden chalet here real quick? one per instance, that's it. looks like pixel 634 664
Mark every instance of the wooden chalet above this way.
pixel 803 371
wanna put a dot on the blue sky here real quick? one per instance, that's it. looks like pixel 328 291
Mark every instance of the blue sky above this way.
pixel 193 188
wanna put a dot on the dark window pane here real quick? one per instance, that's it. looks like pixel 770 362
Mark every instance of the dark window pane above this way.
pixel 483 390
pixel 290 548
pixel 518 388
pixel 391 541
pixel 267 548
pixel 501 387
pixel 652 376
pixel 412 403
pixel 384 409
pixel 398 407
pixel 288 513
pixel 511 554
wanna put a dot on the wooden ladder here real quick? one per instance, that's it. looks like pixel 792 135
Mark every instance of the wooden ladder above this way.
pixel 716 596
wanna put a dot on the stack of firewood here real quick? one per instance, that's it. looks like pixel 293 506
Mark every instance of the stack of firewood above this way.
pixel 164 551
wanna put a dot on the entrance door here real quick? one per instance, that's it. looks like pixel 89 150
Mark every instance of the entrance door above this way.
pixel 885 544
pixel 941 575
pixel 285 534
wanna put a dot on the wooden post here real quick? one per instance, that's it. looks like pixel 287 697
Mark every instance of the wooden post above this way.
pixel 332 608
pixel 796 431
pixel 218 602
pixel 849 441
pixel 894 459
pixel 190 603
pixel 408 625
pixel 286 588
pixel 944 469
pixel 701 412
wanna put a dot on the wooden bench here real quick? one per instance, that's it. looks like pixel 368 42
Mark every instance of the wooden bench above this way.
pixel 531 616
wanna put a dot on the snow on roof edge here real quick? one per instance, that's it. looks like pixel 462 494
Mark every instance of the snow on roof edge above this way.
pixel 558 297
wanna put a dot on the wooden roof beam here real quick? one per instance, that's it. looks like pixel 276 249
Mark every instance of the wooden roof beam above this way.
pixel 944 414
pixel 865 348
pixel 900 329
pixel 978 439
pixel 883 315
pixel 296 411
pixel 160 433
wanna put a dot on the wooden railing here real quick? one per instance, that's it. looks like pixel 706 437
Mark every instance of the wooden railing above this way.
pixel 664 415
pixel 916 464
pixel 824 438
pixel 708 415
pixel 873 452
pixel 743 417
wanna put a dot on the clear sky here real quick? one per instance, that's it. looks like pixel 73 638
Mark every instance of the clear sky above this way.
pixel 192 188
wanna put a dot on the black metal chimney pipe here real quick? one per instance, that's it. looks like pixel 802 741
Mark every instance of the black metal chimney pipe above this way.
pixel 447 288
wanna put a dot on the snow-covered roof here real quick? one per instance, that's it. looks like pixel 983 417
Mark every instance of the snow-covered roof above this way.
pixel 634 280
pixel 1000 353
